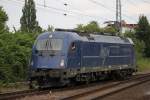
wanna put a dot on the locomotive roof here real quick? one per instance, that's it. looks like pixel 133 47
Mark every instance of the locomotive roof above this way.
pixel 90 38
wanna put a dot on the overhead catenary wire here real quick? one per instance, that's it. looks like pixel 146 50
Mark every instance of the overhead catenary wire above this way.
pixel 145 1
pixel 131 3
pixel 41 8
pixel 75 12
pixel 139 3
pixel 108 8
pixel 68 5
pixel 72 13
pixel 63 11
pixel 45 10
pixel 102 5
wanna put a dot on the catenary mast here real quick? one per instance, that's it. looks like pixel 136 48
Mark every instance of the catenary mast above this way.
pixel 118 17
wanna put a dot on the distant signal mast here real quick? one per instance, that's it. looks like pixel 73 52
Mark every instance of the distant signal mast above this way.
pixel 44 3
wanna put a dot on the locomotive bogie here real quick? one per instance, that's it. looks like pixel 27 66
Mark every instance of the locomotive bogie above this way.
pixel 64 77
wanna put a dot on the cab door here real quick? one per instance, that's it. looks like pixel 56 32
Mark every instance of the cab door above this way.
pixel 74 55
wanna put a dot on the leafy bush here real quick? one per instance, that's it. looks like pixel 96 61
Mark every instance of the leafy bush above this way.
pixel 14 55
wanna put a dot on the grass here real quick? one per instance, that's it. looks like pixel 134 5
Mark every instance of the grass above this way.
pixel 143 64
pixel 11 87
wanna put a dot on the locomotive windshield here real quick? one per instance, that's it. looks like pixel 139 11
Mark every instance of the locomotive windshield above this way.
pixel 49 45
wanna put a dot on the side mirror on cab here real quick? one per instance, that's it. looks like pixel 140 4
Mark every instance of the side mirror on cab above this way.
pixel 36 51
pixel 72 47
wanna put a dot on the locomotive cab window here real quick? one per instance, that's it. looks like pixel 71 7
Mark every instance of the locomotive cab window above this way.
pixel 49 45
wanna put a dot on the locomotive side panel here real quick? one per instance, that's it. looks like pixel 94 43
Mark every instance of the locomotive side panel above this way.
pixel 119 54
pixel 90 54
pixel 106 54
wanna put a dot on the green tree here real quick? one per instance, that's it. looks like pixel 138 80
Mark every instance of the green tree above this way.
pixel 143 33
pixel 28 19
pixel 80 28
pixel 3 19
pixel 90 28
pixel 110 30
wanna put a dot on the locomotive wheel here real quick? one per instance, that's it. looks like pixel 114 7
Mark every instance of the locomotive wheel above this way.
pixel 72 82
pixel 120 75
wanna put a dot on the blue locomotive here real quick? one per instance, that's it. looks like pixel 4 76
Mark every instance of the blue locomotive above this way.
pixel 61 57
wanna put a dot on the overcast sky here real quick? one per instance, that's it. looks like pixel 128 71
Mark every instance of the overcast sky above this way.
pixel 78 11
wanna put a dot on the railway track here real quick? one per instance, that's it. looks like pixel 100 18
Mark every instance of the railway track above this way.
pixel 20 94
pixel 102 92
pixel 24 93
pixel 99 88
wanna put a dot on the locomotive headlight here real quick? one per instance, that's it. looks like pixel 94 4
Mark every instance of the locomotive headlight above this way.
pixel 62 63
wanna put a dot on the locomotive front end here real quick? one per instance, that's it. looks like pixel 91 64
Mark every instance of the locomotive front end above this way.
pixel 48 59
pixel 47 54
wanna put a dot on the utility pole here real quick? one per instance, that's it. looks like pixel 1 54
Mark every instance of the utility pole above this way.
pixel 119 16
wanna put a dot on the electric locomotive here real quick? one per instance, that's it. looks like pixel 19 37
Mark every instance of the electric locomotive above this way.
pixel 61 57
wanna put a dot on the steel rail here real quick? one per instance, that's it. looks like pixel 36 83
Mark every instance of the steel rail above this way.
pixel 102 89
pixel 121 89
